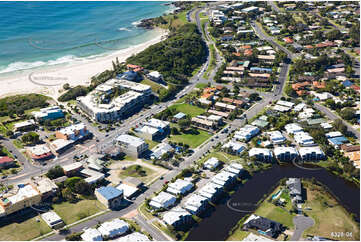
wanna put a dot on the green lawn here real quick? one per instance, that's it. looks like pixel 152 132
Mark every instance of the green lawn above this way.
pixel 238 235
pixel 328 214
pixel 72 212
pixel 222 156
pixel 193 140
pixel 18 144
pixel 273 212
pixel 155 86
pixel 188 109
pixel 201 85
pixel 24 228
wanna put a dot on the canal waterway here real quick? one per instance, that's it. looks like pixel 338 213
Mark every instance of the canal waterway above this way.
pixel 244 200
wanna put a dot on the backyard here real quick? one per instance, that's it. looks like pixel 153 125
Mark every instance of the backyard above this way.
pixel 155 86
pixel 72 212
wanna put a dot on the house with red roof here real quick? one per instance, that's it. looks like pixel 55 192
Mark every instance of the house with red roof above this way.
pixel 288 40
pixel 6 161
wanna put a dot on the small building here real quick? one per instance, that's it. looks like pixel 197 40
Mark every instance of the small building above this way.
pixel 6 161
pixel 179 187
pixel 260 123
pixel 162 200
pixel 92 176
pixel 261 154
pixel 276 137
pixel 45 186
pixel 224 178
pixel 293 128
pixel 111 197
pixel 160 150
pixel 74 132
pixel 128 191
pixel 177 217
pixel 72 168
pixel 39 152
pixel 52 219
pixel 60 145
pixel 211 164
pixel 304 139
pixel 25 125
pixel 179 116
pixel 114 228
pixel 155 76
pixel 131 145
pixel 49 113
pixel 91 234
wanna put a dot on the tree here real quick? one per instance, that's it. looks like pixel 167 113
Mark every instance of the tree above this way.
pixel 82 187
pixel 66 86
pixel 68 195
pixel 338 124
pixel 30 138
pixel 70 182
pixel 253 96
pixel 55 172
pixel 9 133
pixel 348 113
pixel 184 124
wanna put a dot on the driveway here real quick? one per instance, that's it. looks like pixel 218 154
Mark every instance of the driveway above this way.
pixel 301 224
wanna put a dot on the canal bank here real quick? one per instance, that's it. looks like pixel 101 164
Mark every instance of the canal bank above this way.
pixel 224 218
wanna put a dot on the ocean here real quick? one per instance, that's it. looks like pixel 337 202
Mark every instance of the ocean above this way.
pixel 38 34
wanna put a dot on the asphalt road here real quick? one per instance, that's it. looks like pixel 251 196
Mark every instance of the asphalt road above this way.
pixel 301 224
pixel 333 116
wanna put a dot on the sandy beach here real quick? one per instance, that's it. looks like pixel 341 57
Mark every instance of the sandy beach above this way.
pixel 50 80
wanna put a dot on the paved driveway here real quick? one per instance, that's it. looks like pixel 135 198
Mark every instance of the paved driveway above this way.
pixel 301 224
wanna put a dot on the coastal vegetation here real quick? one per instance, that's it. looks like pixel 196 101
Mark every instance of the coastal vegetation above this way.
pixel 17 105
pixel 73 93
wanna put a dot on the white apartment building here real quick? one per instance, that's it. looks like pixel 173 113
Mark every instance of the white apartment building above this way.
pixel 304 139
pixel 162 200
pixel 276 137
pixel 293 128
pixel 311 153
pixel 285 153
pixel 177 217
pixel 98 106
pixel 179 187
pixel 246 132
pixel 113 228
pixel 262 154
pixel 131 145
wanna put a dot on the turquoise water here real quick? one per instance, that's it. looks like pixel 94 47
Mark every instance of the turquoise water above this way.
pixel 35 34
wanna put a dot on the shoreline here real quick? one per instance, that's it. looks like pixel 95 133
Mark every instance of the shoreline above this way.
pixel 49 80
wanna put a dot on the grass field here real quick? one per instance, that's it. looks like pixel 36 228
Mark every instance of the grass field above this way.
pixel 155 86
pixel 238 235
pixel 329 215
pixel 201 85
pixel 193 140
pixel 72 212
pixel 270 211
pixel 188 109
pixel 23 227
pixel 222 156
pixel 131 171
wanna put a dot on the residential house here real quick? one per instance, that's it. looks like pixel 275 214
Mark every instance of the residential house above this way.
pixel 246 133
pixel 196 204
pixel 264 226
pixel 211 164
pixel 295 189
pixel 276 137
pixel 234 147
pixel 114 228
pixel 91 234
